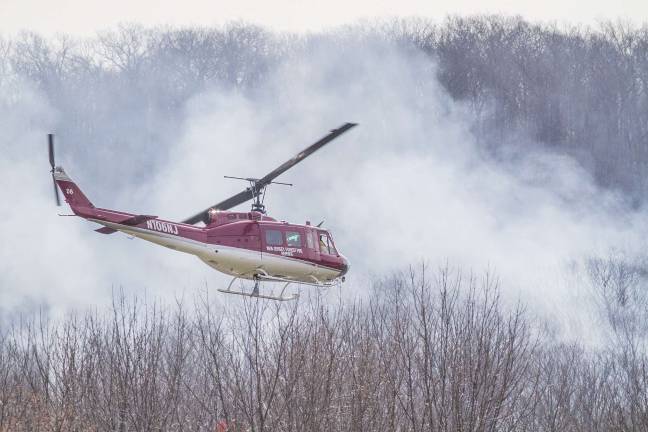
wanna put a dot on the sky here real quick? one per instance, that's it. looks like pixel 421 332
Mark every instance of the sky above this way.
pixel 85 17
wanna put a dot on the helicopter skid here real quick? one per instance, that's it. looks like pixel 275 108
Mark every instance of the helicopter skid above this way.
pixel 255 292
pixel 316 283
pixel 263 296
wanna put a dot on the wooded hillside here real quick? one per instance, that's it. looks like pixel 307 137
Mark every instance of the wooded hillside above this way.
pixel 579 91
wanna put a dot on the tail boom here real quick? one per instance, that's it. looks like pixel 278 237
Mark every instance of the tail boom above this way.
pixel 178 236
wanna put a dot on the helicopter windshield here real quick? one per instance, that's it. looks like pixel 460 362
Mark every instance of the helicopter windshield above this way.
pixel 326 244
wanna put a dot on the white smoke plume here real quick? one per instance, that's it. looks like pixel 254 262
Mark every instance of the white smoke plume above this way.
pixel 409 184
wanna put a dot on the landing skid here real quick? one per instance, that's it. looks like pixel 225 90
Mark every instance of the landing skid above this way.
pixel 255 291
pixel 316 282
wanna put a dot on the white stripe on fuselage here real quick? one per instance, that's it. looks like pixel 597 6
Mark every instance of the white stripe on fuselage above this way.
pixel 234 261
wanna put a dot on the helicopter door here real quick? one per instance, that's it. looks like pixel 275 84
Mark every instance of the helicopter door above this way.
pixel 312 244
pixel 328 253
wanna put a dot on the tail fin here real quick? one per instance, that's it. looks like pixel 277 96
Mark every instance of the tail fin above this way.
pixel 73 195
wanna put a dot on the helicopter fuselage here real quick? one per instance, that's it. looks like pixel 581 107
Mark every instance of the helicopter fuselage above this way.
pixel 245 245
pixel 242 244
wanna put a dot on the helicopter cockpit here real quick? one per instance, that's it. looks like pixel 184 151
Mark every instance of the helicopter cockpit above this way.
pixel 326 243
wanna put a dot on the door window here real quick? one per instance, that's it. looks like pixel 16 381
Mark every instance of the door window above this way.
pixel 293 238
pixel 273 238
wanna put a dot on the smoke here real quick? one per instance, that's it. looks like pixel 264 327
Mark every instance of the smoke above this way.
pixel 410 184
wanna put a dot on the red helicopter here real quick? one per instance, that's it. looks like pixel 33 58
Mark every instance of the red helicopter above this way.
pixel 246 245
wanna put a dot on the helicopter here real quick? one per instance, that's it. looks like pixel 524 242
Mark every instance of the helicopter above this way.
pixel 245 245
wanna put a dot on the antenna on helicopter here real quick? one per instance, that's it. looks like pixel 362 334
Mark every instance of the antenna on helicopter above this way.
pixel 258 191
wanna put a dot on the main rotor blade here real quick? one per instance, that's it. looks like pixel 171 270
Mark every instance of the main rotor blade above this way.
pixel 50 141
pixel 248 194
pixel 304 154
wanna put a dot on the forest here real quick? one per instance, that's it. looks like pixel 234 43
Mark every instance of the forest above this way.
pixel 579 91
pixel 428 348
pixel 431 349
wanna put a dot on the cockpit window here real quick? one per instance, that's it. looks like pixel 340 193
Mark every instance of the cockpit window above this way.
pixel 293 239
pixel 274 238
pixel 326 245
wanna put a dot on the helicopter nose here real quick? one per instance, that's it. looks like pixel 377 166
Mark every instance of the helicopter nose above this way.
pixel 345 265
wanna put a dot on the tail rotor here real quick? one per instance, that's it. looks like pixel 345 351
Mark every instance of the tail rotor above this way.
pixel 50 141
